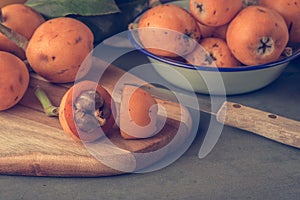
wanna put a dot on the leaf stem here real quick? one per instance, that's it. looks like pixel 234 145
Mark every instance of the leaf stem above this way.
pixel 50 110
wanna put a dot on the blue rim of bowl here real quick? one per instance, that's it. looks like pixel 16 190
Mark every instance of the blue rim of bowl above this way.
pixel 206 68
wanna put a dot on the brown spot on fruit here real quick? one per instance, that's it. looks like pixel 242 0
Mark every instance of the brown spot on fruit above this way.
pixel 261 10
pixel 79 39
pixel 43 57
pixel 20 79
pixel 62 71
pixel 11 88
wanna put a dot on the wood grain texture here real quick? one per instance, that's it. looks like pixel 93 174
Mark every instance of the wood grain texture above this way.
pixel 269 125
pixel 33 144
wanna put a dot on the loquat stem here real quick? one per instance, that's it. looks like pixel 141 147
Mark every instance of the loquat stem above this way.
pixel 17 38
pixel 132 26
pixel 153 3
pixel 50 110
pixel 288 51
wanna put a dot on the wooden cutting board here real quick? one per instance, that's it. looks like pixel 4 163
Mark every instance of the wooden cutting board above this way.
pixel 34 144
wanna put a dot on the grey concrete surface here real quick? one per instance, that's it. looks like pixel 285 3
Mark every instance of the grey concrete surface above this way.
pixel 241 166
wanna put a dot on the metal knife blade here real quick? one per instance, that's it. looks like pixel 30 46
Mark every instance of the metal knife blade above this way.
pixel 223 112
pixel 206 103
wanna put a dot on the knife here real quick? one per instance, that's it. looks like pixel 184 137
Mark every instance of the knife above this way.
pixel 223 112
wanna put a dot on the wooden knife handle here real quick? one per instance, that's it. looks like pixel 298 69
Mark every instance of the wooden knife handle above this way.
pixel 268 125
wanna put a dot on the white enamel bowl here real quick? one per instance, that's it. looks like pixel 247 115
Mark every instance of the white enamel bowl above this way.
pixel 211 80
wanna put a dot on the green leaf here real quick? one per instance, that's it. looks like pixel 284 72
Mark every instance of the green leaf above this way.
pixel 104 26
pixel 58 8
